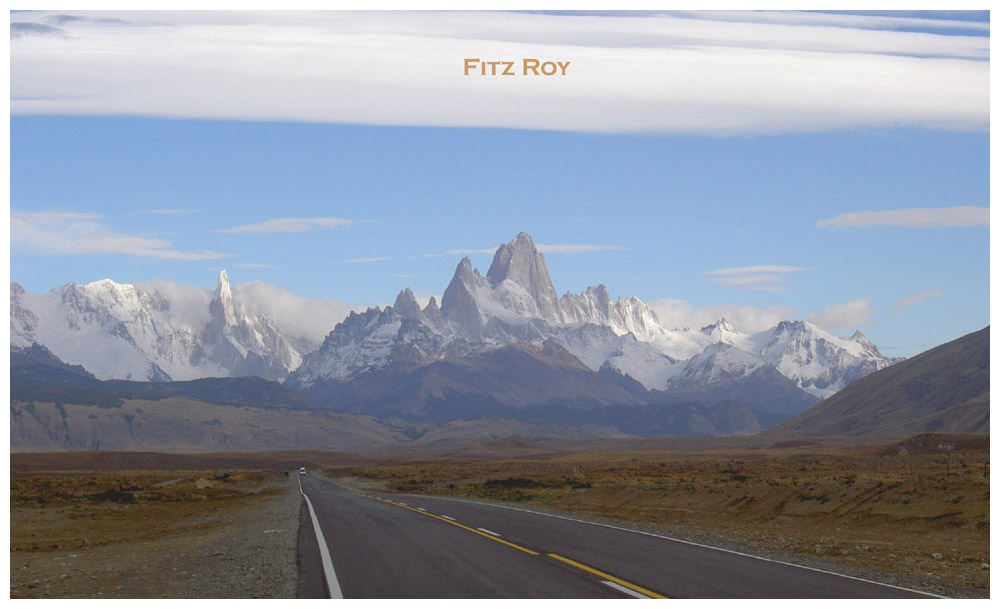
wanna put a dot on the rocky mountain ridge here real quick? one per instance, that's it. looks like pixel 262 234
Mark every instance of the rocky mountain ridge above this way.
pixel 515 302
pixel 123 332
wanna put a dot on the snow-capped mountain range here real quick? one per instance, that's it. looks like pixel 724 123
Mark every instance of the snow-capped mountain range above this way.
pixel 118 331
pixel 516 302
pixel 121 331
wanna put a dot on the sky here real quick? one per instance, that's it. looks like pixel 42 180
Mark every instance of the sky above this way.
pixel 754 165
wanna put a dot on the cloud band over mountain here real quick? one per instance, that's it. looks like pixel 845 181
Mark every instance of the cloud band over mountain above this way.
pixel 693 72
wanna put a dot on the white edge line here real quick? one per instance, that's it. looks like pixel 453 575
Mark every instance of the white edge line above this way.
pixel 324 551
pixel 623 589
pixel 489 532
pixel 696 544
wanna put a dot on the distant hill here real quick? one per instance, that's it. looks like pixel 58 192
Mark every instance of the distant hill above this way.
pixel 542 385
pixel 43 367
pixel 772 397
pixel 188 426
pixel 945 389
pixel 501 382
pixel 37 375
pixel 58 407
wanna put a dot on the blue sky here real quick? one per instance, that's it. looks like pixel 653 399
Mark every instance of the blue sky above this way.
pixel 702 199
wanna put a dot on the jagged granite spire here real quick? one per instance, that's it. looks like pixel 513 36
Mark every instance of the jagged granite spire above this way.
pixel 718 327
pixel 222 301
pixel 520 262
pixel 406 305
pixel 459 300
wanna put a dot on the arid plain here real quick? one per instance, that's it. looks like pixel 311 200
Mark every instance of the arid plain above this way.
pixel 912 513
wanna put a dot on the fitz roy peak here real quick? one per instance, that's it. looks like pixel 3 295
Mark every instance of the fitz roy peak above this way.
pixel 516 303
pixel 517 269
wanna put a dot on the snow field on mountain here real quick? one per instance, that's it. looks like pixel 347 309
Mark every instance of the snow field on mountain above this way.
pixel 161 331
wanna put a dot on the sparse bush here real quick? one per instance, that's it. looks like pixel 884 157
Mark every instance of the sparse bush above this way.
pixel 821 498
pixel 115 495
pixel 513 483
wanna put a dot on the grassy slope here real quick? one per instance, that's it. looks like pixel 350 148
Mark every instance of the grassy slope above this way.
pixel 945 389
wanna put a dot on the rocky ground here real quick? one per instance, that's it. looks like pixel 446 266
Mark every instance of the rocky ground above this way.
pixel 240 549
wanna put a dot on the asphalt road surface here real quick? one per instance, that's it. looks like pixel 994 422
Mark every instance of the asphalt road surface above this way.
pixel 385 545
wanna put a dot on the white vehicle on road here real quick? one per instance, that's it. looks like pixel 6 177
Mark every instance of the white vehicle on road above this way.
pixel 302 471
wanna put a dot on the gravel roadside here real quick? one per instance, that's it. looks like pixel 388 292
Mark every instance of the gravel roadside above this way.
pixel 250 553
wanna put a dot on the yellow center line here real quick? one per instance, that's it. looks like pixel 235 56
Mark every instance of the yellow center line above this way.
pixel 563 559
pixel 459 525
pixel 594 571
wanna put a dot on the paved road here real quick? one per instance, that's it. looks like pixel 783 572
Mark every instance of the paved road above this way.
pixel 409 546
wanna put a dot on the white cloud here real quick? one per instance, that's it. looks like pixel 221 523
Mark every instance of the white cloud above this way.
pixel 760 278
pixel 675 313
pixel 757 283
pixel 846 21
pixel 366 260
pixel 573 249
pixel 23 218
pixel 289 225
pixel 569 249
pixel 172 212
pixel 307 319
pixel 700 73
pixel 461 252
pixel 310 319
pixel 256 265
pixel 845 316
pixel 763 268
pixel 188 303
pixel 921 217
pixel 908 302
pixel 19 30
pixel 66 233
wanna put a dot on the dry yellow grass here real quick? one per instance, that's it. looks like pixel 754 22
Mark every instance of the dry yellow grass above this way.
pixel 69 510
